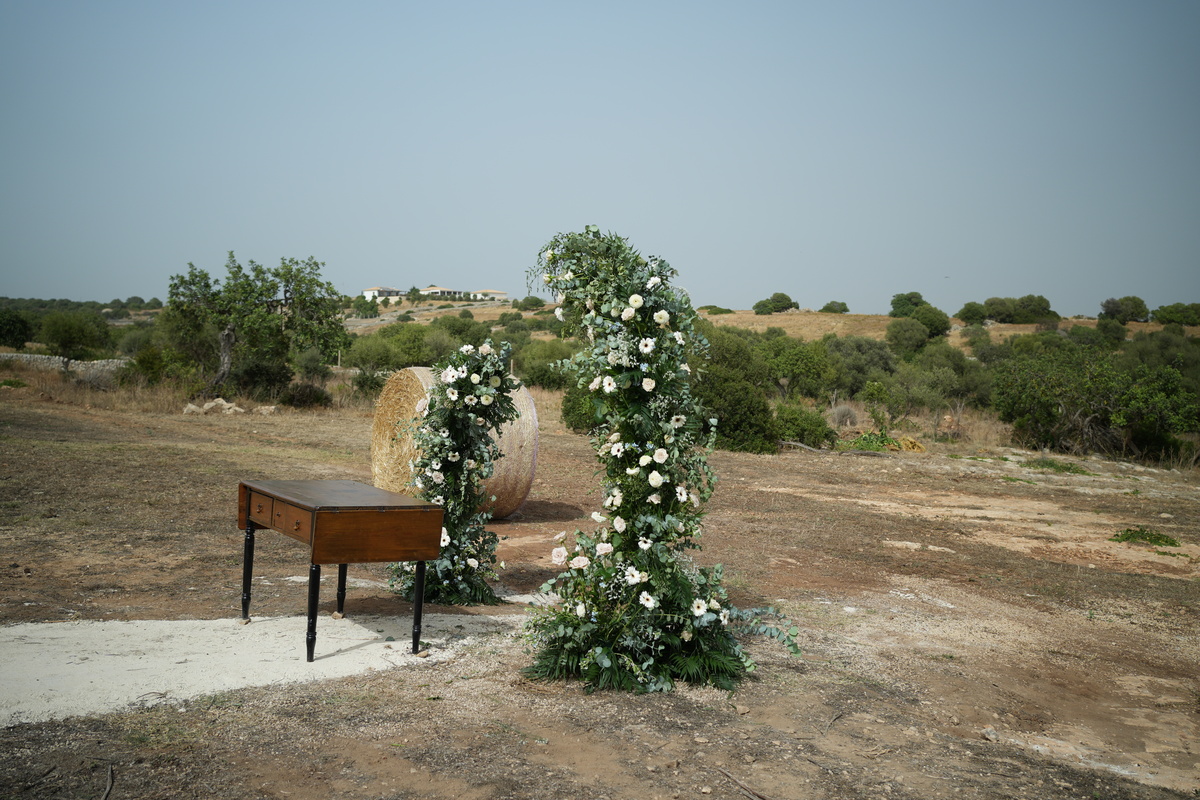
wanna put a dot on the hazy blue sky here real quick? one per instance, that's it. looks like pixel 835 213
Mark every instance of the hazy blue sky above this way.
pixel 835 150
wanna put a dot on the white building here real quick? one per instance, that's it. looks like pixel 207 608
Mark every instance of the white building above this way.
pixel 380 292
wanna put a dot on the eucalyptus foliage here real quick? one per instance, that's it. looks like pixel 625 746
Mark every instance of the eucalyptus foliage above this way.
pixel 636 613
pixel 456 436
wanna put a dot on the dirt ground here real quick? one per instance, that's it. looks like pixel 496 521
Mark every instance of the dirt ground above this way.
pixel 968 628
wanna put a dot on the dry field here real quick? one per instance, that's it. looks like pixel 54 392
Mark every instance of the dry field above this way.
pixel 968 627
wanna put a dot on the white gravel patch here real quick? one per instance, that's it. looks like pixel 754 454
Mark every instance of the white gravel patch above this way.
pixel 64 669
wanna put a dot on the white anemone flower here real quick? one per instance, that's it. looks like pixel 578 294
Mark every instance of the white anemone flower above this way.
pixel 466 348
pixel 678 337
pixel 724 615
pixel 609 384
pixel 678 421
pixel 486 399
pixel 645 543
pixel 681 494
pixel 470 399
pixel 445 537
pixel 475 376
pixel 699 607
pixel 449 375
pixel 647 599
pixel 452 395
pixel 646 345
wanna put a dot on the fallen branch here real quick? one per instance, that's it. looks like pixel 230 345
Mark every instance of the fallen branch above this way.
pixel 832 720
pixel 746 790
pixel 876 453
pixel 108 789
pixel 801 446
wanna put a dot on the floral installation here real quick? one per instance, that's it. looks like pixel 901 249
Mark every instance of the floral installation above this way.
pixel 456 437
pixel 636 613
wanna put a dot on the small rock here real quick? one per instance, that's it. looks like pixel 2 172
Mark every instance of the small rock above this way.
pixel 265 410
pixel 192 408
pixel 1166 516
pixel 705 790
pixel 990 734
pixel 423 654
pixel 700 740
pixel 742 709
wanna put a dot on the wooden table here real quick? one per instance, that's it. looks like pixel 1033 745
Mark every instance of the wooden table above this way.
pixel 340 522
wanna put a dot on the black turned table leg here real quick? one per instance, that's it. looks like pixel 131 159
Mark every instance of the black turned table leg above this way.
pixel 314 594
pixel 247 571
pixel 418 603
pixel 341 590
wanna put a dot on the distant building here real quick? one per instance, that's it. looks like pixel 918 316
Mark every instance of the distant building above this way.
pixel 439 291
pixel 380 292
pixel 490 294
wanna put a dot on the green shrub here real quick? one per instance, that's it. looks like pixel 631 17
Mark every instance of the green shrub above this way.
pixel 795 423
pixel 535 364
pixel 715 310
pixel 835 307
pixel 578 409
pixel 305 395
pixel 260 379
pixel 744 417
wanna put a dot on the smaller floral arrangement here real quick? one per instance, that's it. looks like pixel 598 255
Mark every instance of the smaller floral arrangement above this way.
pixel 455 434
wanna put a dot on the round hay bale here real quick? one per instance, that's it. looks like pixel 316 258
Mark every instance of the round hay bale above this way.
pixel 392 445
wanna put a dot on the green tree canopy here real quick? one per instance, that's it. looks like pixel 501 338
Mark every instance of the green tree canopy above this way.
pixel 258 314
pixel 774 304
pixel 904 304
pixel 1125 310
pixel 835 307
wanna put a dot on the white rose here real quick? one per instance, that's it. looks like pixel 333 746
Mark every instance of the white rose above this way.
pixel 486 399
pixel 558 537
pixel 644 460
pixel 654 281
pixel 558 314
pixel 656 480
pixel 494 381
pixel 627 314
pixel 648 384
pixel 475 376
pixel 466 348
pixel 472 563
pixel 635 300
pixel 558 555
pixel 618 525
pixel 662 317
pixel 580 610
pixel 579 562
pixel 485 349
pixel 603 549
pixel 655 498
pixel 660 455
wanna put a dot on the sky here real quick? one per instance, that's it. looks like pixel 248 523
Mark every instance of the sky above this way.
pixel 845 150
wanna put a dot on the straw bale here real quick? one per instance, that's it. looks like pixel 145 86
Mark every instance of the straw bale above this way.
pixel 392 445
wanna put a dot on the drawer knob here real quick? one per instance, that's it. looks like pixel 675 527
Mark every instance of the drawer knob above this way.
pixel 296 525
pixel 259 509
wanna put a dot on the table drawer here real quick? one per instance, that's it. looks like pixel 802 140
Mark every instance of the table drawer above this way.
pixel 261 508
pixel 293 522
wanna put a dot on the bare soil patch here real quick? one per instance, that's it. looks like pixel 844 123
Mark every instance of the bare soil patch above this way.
pixel 968 628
